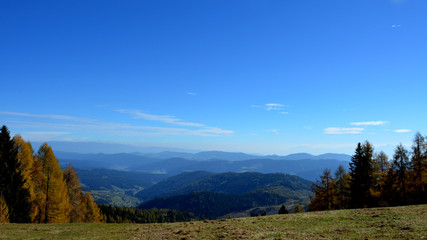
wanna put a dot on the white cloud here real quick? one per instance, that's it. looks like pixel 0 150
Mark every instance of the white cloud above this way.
pixel 335 130
pixel 402 130
pixel 371 123
pixel 272 107
pixel 161 118
pixel 192 93
pixel 275 131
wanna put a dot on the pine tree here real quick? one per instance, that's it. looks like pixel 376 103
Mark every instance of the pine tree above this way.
pixel 283 210
pixel 12 182
pixel 4 211
pixel 75 194
pixel 400 168
pixel 56 205
pixel 361 172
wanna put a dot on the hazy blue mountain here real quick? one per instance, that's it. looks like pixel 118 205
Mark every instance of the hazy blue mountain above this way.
pixel 118 161
pixel 235 156
pixel 310 169
pixel 165 153
pixel 340 157
pixel 97 179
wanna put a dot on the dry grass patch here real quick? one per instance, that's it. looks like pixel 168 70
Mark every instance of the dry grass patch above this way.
pixel 409 222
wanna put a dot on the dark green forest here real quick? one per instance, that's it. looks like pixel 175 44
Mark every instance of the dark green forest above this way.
pixel 114 214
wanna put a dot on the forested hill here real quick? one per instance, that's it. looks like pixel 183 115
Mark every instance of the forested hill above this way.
pixel 230 183
pixel 219 194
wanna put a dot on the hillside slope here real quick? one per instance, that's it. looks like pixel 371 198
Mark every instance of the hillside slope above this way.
pixel 408 222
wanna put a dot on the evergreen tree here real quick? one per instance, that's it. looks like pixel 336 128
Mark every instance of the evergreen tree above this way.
pixel 418 160
pixel 400 169
pixel 361 172
pixel 12 182
pixel 283 209
pixel 56 205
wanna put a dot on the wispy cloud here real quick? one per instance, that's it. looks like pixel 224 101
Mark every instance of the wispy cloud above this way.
pixel 371 123
pixel 69 124
pixel 336 130
pixel 402 130
pixel 192 93
pixel 275 131
pixel 48 116
pixel 272 107
pixel 161 118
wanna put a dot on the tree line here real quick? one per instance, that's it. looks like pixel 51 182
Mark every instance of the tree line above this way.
pixel 375 181
pixel 34 188
pixel 115 214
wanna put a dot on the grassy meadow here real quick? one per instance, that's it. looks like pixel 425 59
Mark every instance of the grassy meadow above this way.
pixel 408 222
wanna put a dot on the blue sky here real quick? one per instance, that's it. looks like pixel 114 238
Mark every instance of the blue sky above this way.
pixel 268 77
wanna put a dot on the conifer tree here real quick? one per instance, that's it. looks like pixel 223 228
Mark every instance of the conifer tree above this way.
pixel 32 174
pixel 283 209
pixel 361 170
pixel 342 188
pixel 298 209
pixel 12 182
pixel 400 169
pixel 92 213
pixel 381 166
pixel 4 211
pixel 75 194
pixel 56 205
pixel 324 190
pixel 418 160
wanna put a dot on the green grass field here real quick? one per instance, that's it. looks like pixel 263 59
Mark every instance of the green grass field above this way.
pixel 409 222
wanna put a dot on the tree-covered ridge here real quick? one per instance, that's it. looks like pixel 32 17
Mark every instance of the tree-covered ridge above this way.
pixel 220 194
pixel 114 214
pixel 229 183
pixel 373 180
pixel 35 189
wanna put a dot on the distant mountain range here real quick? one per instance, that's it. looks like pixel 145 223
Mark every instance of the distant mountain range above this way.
pixel 304 165
pixel 127 179
pixel 165 153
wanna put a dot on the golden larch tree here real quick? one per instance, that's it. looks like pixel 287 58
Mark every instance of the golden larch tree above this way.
pixel 56 205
